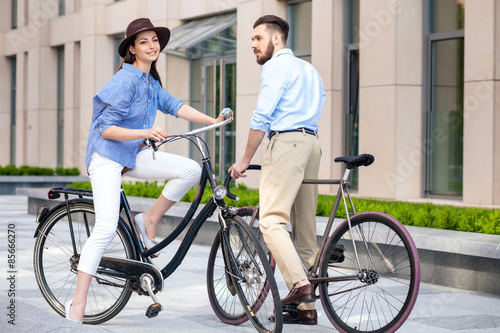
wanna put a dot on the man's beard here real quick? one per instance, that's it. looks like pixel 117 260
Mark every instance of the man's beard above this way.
pixel 268 54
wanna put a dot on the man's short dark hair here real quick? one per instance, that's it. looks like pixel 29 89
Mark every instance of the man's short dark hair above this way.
pixel 276 23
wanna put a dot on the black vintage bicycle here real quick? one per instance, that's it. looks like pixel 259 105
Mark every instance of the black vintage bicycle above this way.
pixel 126 266
pixel 367 272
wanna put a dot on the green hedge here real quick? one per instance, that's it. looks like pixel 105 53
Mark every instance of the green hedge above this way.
pixel 24 170
pixel 427 215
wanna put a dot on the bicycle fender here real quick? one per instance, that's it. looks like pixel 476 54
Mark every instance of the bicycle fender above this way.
pixel 45 213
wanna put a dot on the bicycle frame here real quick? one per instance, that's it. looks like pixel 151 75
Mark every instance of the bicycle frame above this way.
pixel 208 176
pixel 342 194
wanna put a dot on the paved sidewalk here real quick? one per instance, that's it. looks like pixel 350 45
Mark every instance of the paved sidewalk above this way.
pixel 185 300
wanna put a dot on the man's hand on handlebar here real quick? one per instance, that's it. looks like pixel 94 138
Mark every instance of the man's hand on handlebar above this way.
pixel 238 169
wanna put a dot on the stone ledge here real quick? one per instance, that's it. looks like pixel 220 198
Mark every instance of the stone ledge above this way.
pixel 9 184
pixel 456 259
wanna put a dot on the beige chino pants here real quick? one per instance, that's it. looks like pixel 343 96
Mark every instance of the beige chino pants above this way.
pixel 290 158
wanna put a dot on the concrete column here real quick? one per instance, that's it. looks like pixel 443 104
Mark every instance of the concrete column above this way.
pixel 42 111
pixel 328 59
pixel 481 173
pixel 390 98
pixel 71 131
pixel 377 95
pixel 248 75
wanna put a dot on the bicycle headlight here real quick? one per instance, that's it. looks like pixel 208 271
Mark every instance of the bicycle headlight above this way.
pixel 220 192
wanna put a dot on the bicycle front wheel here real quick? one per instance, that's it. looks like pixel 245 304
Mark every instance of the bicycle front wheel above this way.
pixel 252 276
pixel 221 293
pixel 379 295
pixel 55 263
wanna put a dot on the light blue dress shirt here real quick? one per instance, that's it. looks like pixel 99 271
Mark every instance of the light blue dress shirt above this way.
pixel 291 95
pixel 127 101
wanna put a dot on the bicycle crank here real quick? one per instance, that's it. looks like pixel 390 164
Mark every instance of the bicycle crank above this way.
pixel 155 308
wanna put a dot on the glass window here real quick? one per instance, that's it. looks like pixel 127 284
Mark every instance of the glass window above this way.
pixel 60 106
pixel 117 59
pixel 446 15
pixel 444 101
pixel 445 120
pixel 351 91
pixel 62 7
pixel 353 23
pixel 14 14
pixel 300 19
pixel 13 85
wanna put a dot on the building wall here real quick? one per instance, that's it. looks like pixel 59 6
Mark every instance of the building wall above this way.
pixel 391 83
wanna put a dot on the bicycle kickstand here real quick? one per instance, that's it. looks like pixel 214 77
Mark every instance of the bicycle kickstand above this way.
pixel 155 308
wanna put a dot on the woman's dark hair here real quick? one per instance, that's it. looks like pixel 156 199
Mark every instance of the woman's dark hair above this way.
pixel 130 58
pixel 274 22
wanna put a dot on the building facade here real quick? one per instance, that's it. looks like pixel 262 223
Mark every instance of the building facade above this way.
pixel 413 82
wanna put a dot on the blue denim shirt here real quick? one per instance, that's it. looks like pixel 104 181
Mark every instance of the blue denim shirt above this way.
pixel 291 95
pixel 127 101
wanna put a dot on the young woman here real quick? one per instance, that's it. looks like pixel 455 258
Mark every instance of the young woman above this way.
pixel 123 116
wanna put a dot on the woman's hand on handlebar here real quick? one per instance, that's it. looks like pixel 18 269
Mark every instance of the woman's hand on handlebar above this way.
pixel 156 133
pixel 223 117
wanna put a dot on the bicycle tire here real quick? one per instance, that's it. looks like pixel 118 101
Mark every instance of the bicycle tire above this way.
pixel 252 276
pixel 382 300
pixel 55 264
pixel 224 300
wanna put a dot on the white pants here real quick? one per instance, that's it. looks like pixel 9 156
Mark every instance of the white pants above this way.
pixel 105 176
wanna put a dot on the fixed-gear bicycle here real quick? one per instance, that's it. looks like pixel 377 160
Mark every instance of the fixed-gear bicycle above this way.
pixel 367 272
pixel 127 267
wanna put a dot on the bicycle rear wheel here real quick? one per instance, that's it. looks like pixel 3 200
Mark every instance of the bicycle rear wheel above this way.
pixel 252 276
pixel 221 293
pixel 381 298
pixel 56 264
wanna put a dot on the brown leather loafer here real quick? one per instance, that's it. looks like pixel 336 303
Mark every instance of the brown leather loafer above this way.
pixel 304 294
pixel 303 317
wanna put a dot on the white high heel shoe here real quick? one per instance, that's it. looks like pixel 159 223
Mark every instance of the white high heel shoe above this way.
pixel 67 307
pixel 148 243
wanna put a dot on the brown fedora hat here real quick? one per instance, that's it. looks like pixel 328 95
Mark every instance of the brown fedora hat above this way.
pixel 139 25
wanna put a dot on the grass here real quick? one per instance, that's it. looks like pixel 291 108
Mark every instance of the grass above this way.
pixel 426 215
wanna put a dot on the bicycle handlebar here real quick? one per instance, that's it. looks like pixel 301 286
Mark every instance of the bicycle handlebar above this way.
pixel 228 180
pixel 226 112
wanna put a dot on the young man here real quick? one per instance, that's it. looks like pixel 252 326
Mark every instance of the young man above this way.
pixel 289 105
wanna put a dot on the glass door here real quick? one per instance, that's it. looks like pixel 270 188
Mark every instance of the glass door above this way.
pixel 218 92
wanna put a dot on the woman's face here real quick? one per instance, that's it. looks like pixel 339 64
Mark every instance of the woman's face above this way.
pixel 147 47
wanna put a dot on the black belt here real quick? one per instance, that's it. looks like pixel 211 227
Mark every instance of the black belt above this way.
pixel 304 130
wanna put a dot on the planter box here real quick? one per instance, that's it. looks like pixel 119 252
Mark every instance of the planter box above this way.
pixel 9 184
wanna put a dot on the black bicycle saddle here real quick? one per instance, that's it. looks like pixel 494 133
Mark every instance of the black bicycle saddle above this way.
pixel 353 162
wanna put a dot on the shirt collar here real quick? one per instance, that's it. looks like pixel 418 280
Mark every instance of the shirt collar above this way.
pixel 283 51
pixel 134 70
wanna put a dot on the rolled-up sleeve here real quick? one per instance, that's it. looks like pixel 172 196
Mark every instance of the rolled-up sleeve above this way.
pixel 167 103
pixel 114 100
pixel 273 81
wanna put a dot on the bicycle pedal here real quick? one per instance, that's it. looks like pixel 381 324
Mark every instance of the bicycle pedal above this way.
pixel 153 310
